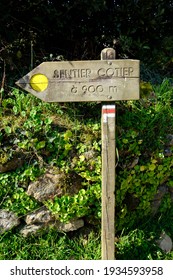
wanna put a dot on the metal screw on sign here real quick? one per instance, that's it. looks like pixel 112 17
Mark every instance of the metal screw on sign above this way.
pixel 108 53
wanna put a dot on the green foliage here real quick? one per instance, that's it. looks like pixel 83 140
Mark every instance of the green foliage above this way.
pixel 141 183
pixel 85 203
pixel 140 242
pixel 47 135
pixel 136 245
pixel 51 246
pixel 143 164
pixel 29 127
pixel 35 135
pixel 43 134
pixel 12 190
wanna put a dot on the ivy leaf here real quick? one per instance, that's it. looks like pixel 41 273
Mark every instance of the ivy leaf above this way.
pixel 82 158
pixel 40 145
pixel 67 135
pixel 68 147
pixel 125 141
pixel 7 129
pixel 142 168
pixel 152 167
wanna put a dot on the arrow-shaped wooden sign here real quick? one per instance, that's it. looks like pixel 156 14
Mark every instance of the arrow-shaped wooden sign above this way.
pixel 79 81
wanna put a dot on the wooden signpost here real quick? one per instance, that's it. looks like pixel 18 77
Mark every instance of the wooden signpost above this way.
pixel 108 173
pixel 108 80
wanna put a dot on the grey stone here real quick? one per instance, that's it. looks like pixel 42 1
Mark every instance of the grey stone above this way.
pixel 42 215
pixel 89 154
pixel 170 139
pixel 47 186
pixel 70 226
pixel 30 230
pixel 133 163
pixel 8 220
pixel 34 229
pixel 156 202
pixel 161 191
pixel 12 164
pixel 170 189
pixel 165 243
pixel 167 152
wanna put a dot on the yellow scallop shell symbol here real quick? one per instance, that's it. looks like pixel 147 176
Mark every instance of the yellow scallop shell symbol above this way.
pixel 39 82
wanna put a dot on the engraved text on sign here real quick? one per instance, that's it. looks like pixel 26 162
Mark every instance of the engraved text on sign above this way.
pixel 79 81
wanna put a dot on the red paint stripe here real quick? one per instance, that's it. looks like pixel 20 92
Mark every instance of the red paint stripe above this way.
pixel 108 111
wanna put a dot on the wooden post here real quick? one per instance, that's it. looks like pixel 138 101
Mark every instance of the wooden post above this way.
pixel 108 173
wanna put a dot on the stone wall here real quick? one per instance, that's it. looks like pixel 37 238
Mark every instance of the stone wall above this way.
pixel 53 183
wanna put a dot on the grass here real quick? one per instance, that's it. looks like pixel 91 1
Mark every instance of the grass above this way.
pixel 51 246
pixel 85 244
pixel 140 243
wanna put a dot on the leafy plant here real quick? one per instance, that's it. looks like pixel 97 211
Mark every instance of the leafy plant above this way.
pixel 85 203
pixel 12 190
pixel 45 135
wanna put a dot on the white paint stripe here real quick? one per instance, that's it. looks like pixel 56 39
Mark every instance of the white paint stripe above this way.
pixel 110 115
pixel 108 106
pixel 106 116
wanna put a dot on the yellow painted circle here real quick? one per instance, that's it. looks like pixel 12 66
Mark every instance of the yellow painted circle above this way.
pixel 39 82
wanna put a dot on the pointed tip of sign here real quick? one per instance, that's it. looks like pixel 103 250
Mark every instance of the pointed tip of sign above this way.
pixel 22 82
pixel 19 84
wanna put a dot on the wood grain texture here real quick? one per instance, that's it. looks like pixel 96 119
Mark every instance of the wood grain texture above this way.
pixel 82 81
